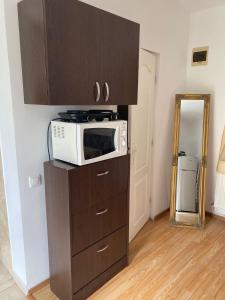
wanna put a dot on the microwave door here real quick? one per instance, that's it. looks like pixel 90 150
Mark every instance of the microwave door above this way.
pixel 98 142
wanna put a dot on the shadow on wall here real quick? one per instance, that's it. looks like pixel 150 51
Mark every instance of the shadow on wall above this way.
pixel 5 253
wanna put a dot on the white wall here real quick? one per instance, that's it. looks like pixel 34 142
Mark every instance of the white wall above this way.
pixel 199 5
pixel 8 149
pixel 164 30
pixel 207 29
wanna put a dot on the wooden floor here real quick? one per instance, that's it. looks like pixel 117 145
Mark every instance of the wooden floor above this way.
pixel 8 288
pixel 172 263
pixel 168 263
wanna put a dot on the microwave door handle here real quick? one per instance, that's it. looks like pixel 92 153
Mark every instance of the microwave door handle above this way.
pixel 117 138
pixel 80 144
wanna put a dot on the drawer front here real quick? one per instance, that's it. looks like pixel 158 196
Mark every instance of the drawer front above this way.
pixel 93 261
pixel 98 221
pixel 110 178
pixel 92 184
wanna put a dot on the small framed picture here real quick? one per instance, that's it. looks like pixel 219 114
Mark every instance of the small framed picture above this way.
pixel 200 56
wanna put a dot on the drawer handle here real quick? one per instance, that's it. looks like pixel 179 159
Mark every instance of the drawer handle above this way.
pixel 102 212
pixel 103 173
pixel 102 249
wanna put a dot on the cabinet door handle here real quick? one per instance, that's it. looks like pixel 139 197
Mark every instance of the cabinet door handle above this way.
pixel 102 212
pixel 98 91
pixel 102 249
pixel 103 174
pixel 107 91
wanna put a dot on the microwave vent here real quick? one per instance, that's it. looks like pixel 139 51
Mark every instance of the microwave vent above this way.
pixel 58 131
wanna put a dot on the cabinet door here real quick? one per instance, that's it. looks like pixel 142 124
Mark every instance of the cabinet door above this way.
pixel 73 51
pixel 119 59
pixel 110 178
pixel 94 223
pixel 92 184
pixel 93 261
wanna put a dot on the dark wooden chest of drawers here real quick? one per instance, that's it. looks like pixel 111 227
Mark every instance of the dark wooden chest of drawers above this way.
pixel 88 219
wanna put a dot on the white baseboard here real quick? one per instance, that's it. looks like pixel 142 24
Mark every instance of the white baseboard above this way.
pixel 218 211
pixel 20 284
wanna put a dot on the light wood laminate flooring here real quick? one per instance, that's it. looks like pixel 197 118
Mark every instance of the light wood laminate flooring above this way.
pixel 168 263
pixel 8 289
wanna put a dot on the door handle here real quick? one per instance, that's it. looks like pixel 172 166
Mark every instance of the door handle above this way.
pixel 134 150
pixel 102 249
pixel 106 85
pixel 102 212
pixel 97 85
pixel 103 174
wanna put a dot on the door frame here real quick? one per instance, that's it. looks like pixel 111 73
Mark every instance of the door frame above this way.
pixel 152 125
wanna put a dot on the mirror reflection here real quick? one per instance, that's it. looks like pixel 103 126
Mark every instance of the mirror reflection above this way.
pixel 189 156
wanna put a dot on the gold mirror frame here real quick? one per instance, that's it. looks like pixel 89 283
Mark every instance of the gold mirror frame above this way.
pixel 189 219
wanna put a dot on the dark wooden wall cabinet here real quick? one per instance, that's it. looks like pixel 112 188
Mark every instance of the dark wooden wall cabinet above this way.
pixel 88 220
pixel 74 53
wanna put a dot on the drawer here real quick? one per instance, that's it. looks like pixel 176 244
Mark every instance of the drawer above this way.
pixel 92 184
pixel 110 178
pixel 98 221
pixel 93 261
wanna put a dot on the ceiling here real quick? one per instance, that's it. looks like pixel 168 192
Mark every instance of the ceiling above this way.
pixel 197 5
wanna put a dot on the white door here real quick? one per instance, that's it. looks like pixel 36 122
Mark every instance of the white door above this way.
pixel 141 126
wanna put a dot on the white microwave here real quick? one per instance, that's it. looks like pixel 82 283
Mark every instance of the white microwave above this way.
pixel 86 143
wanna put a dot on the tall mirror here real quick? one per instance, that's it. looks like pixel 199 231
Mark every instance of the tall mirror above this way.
pixel 187 205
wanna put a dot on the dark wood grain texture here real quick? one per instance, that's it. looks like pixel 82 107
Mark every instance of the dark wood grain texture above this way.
pixel 68 46
pixel 91 262
pixel 58 224
pixel 73 51
pixel 98 221
pixel 89 189
pixel 95 284
pixel 112 184
pixel 33 51
pixel 119 58
pixel 74 197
